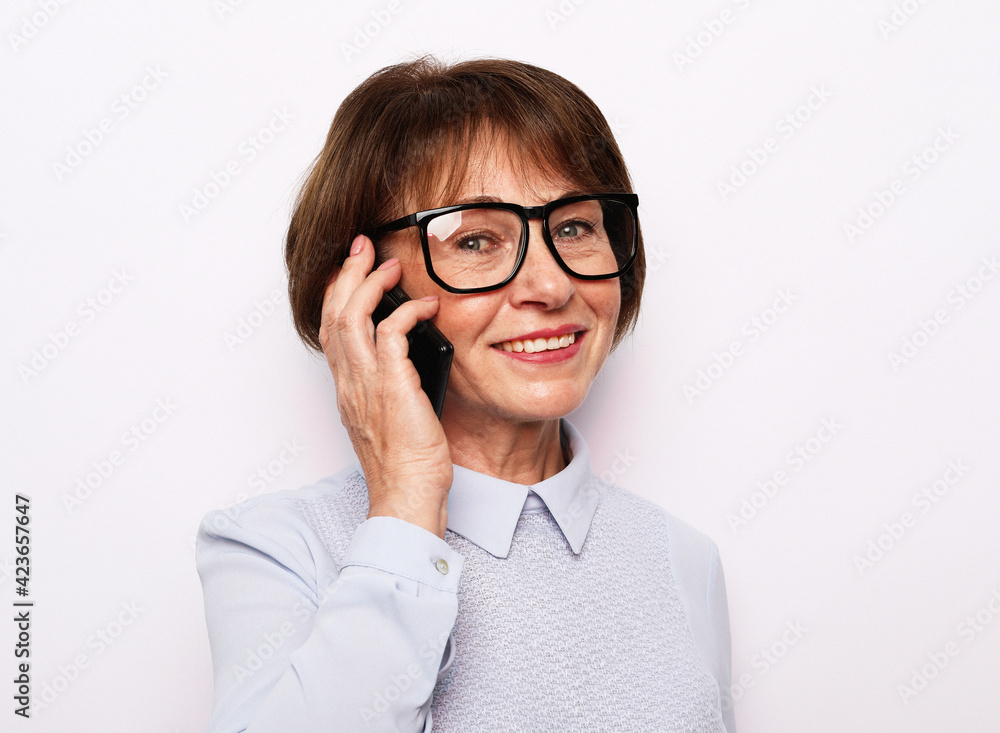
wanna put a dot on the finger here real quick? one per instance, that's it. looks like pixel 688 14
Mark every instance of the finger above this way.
pixel 346 278
pixel 391 344
pixel 351 331
pixel 342 284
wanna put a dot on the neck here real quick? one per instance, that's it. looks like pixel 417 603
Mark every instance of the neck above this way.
pixel 519 452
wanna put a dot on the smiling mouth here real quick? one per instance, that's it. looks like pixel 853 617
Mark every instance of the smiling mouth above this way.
pixel 533 346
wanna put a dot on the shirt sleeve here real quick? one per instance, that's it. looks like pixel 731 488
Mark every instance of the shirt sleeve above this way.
pixel 299 644
pixel 698 572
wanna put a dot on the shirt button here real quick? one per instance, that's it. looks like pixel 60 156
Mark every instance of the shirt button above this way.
pixel 442 566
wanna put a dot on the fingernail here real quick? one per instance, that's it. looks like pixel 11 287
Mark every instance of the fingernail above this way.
pixel 357 244
pixel 429 297
pixel 388 263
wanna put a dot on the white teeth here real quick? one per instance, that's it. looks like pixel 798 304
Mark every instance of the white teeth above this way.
pixel 533 346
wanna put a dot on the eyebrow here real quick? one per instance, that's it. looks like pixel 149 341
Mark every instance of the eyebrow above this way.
pixel 497 200
pixel 479 200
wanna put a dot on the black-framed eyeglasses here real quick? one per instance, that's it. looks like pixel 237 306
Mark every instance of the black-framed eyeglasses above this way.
pixel 473 248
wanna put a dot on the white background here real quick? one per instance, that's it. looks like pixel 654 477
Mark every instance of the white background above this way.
pixel 690 96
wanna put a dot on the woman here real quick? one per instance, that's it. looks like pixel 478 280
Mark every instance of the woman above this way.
pixel 468 573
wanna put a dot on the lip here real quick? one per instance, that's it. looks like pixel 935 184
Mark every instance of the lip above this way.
pixel 546 333
pixel 546 357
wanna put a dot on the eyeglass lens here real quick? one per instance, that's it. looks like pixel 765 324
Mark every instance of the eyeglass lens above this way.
pixel 475 248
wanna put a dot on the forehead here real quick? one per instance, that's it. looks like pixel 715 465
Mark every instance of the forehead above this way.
pixel 491 169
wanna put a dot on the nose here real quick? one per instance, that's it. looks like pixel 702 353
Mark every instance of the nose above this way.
pixel 541 281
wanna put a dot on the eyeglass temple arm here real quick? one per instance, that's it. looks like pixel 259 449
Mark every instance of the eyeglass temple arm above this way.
pixel 392 226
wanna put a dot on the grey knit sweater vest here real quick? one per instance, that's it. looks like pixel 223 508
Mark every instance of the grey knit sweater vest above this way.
pixel 546 640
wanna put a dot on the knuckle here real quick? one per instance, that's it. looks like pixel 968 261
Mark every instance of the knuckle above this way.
pixel 385 328
pixel 345 321
pixel 345 402
pixel 329 322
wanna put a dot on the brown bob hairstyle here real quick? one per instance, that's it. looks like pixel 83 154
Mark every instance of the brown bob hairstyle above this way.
pixel 403 137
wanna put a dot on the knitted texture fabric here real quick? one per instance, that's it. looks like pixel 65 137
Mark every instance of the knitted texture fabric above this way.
pixel 547 640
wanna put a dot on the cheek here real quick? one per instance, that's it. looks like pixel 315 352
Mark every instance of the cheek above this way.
pixel 607 304
pixel 414 280
pixel 616 300
pixel 471 315
pixel 463 319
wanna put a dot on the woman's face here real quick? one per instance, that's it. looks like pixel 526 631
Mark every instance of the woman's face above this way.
pixel 542 301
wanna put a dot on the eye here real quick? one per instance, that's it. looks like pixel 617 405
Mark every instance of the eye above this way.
pixel 571 230
pixel 473 244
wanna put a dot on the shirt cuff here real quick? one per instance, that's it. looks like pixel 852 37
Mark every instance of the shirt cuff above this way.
pixel 400 548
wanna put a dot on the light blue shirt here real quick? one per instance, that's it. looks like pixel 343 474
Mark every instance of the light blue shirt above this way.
pixel 323 620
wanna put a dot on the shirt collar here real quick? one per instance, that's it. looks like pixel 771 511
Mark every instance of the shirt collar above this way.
pixel 485 510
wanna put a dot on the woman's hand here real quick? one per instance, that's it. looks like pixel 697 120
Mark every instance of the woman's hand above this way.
pixel 397 436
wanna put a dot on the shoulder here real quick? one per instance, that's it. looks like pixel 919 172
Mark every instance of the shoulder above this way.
pixel 278 524
pixel 684 540
pixel 691 547
pixel 694 559
pixel 276 509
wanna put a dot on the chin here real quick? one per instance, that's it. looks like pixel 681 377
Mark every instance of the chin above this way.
pixel 547 404
pixel 520 401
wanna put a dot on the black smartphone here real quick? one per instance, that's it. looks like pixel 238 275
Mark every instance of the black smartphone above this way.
pixel 430 351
